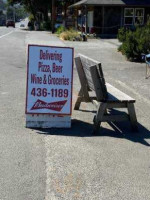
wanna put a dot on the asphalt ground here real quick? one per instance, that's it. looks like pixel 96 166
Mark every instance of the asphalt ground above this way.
pixel 114 164
pixel 73 164
pixel 22 151
pixel 4 31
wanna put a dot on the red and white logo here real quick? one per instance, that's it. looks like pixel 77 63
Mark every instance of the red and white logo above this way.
pixel 56 106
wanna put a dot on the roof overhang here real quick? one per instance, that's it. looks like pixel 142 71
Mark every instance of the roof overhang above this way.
pixel 111 3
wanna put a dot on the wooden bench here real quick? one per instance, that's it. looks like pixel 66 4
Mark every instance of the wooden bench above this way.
pixel 106 97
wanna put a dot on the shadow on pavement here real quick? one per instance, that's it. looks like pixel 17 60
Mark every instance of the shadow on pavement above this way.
pixel 117 130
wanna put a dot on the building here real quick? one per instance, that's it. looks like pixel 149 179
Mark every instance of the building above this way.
pixel 107 16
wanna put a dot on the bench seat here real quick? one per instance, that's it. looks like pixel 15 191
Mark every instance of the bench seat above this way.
pixel 115 95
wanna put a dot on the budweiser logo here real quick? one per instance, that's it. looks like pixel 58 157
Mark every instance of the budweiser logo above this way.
pixel 56 106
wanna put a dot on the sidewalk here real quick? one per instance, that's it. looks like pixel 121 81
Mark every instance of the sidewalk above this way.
pixel 113 165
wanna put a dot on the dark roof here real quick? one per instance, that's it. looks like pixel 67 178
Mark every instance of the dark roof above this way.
pixel 113 2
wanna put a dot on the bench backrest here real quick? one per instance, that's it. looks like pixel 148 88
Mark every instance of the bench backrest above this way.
pixel 93 77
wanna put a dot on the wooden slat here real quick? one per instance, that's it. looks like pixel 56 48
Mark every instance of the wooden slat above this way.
pixel 104 88
pixel 115 95
pixel 88 61
pixel 90 82
pixel 82 77
pixel 99 67
pixel 87 73
pixel 97 84
pixel 91 86
pixel 86 66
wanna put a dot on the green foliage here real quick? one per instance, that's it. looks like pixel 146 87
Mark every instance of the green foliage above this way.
pixel 31 17
pixel 20 12
pixel 34 6
pixel 60 29
pixel 45 25
pixel 129 46
pixel 136 42
pixel 122 34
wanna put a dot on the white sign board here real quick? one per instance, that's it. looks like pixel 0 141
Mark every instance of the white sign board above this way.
pixel 49 80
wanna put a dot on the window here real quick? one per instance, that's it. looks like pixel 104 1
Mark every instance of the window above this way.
pixel 139 16
pixel 128 16
pixel 133 16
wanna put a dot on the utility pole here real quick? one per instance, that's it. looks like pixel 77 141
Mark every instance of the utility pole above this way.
pixel 14 14
pixel 6 15
pixel 53 16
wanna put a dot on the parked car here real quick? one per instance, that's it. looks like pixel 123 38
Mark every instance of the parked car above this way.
pixel 22 25
pixel 10 23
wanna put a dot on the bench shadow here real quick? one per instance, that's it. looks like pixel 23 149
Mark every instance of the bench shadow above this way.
pixel 117 130
pixel 124 129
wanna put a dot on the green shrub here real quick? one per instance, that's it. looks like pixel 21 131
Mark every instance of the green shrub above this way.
pixel 135 42
pixel 31 17
pixel 129 45
pixel 122 34
pixel 60 29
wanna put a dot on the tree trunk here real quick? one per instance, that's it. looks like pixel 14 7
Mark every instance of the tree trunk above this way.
pixel 53 16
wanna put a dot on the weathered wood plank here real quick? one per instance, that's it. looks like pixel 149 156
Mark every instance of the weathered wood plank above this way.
pixel 91 86
pixel 79 100
pixel 88 60
pixel 111 105
pixel 100 71
pixel 82 78
pixel 99 117
pixel 97 84
pixel 87 71
pixel 103 87
pixel 115 95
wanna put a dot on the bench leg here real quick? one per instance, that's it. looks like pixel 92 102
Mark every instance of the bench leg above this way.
pixel 79 100
pixel 99 116
pixel 132 116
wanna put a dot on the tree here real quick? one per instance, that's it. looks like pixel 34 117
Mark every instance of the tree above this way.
pixel 34 7
pixel 2 5
pixel 64 4
pixel 20 12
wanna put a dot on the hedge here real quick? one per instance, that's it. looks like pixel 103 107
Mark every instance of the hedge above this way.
pixel 135 42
